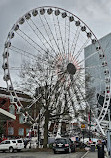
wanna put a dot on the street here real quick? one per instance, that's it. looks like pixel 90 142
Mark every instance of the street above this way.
pixel 40 155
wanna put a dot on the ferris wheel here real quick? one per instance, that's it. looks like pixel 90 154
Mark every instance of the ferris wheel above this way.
pixel 51 48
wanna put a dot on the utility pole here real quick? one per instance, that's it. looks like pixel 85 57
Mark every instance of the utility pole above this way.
pixel 90 123
pixel 39 130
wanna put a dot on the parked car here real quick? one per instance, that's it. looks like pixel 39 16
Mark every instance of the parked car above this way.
pixel 12 145
pixel 63 145
pixel 8 145
pixel 20 144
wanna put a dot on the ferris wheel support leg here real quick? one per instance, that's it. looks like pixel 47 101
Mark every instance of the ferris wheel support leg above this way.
pixel 61 117
pixel 100 127
pixel 109 134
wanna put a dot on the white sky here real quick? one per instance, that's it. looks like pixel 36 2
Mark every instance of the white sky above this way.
pixel 95 13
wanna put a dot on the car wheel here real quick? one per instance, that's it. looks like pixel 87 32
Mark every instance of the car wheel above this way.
pixel 55 152
pixel 11 149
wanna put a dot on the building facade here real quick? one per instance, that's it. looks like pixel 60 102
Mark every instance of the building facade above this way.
pixel 17 127
pixel 99 79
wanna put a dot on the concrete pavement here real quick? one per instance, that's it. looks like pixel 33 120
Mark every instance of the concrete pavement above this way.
pixel 90 154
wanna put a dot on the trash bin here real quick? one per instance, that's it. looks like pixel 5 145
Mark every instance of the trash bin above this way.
pixel 92 147
pixel 100 150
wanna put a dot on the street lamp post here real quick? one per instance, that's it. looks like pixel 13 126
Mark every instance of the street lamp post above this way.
pixel 90 124
pixel 39 130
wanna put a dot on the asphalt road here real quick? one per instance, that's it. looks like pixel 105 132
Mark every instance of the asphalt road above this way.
pixel 40 155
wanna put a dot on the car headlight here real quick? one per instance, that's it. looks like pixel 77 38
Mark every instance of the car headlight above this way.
pixel 54 144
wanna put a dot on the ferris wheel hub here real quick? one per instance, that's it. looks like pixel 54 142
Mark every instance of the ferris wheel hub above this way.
pixel 71 68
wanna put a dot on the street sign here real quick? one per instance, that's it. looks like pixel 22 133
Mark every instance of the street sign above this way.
pixel 82 126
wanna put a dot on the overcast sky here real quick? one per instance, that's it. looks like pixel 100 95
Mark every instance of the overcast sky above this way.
pixel 95 13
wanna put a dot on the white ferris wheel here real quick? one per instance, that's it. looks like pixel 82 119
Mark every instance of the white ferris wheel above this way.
pixel 46 46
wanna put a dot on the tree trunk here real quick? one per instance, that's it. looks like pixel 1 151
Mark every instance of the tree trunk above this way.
pixel 45 142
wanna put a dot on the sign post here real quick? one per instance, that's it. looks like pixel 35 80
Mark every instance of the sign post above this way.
pixel 83 130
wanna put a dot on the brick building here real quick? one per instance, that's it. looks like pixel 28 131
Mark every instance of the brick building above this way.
pixel 14 128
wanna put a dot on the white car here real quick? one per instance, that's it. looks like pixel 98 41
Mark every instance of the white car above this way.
pixel 9 145
pixel 20 144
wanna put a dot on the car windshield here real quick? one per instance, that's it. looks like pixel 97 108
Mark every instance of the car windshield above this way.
pixel 61 141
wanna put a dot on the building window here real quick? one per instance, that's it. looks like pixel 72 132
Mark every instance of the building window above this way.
pixel 12 109
pixel 21 132
pixel 27 130
pixel 21 119
pixel 10 130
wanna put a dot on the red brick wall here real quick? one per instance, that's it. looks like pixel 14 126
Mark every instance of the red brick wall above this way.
pixel 12 123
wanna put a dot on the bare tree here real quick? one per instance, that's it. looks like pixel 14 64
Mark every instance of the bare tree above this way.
pixel 52 93
pixel 58 92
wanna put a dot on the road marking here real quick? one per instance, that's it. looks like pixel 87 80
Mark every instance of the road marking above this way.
pixel 85 154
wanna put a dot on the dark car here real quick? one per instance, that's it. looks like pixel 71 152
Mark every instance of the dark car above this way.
pixel 63 145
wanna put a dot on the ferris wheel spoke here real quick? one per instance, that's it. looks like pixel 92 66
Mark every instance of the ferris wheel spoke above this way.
pixel 73 93
pixel 22 52
pixel 52 34
pixel 60 35
pixel 55 28
pixel 72 101
pixel 37 35
pixel 25 55
pixel 33 41
pixel 65 33
pixel 82 93
pixel 91 67
pixel 78 99
pixel 30 55
pixel 44 37
pixel 68 39
pixel 28 42
pixel 58 101
pixel 56 86
pixel 52 46
pixel 86 58
pixel 75 40
pixel 20 68
pixel 81 49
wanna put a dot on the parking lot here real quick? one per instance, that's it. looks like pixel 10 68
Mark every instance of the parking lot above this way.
pixel 28 154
